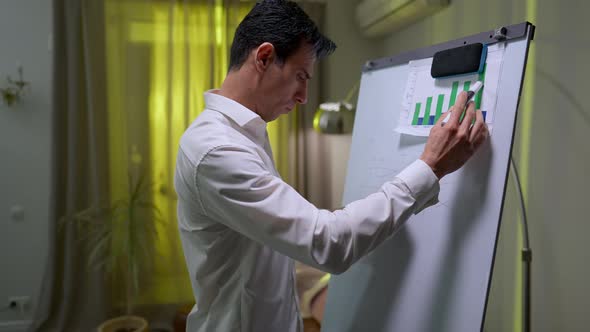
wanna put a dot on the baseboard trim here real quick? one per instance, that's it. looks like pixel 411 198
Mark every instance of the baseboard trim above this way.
pixel 15 326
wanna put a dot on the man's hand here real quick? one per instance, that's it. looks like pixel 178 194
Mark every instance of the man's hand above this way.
pixel 451 144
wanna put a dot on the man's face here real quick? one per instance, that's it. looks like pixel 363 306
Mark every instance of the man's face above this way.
pixel 283 86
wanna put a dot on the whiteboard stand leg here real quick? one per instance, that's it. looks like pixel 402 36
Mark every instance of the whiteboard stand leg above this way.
pixel 527 257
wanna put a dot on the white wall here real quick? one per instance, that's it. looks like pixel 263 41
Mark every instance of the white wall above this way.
pixel 340 72
pixel 550 148
pixel 25 138
pixel 559 157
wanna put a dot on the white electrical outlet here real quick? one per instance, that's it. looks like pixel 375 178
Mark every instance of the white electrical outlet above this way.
pixel 19 303
pixel 17 213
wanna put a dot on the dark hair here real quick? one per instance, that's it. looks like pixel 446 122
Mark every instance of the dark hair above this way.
pixel 281 23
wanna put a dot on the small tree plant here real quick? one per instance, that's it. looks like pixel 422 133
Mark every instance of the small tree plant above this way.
pixel 120 237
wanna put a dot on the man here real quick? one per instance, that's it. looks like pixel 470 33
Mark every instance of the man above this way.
pixel 241 226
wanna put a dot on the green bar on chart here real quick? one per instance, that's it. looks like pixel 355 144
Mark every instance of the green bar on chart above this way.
pixel 481 78
pixel 466 85
pixel 439 106
pixel 453 94
pixel 416 114
pixel 427 110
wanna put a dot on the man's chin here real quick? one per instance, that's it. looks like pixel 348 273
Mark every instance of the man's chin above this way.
pixel 286 110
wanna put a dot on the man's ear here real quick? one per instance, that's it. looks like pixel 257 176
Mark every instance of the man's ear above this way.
pixel 264 56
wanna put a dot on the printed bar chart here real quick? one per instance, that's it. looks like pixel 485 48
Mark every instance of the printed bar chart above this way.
pixel 428 119
pixel 426 99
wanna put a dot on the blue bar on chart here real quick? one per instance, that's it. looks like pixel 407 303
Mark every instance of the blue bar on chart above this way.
pixel 420 120
pixel 427 111
pixel 416 114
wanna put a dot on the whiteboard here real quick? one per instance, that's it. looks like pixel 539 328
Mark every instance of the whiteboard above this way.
pixel 434 274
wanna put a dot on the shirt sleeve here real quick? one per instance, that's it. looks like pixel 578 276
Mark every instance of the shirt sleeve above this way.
pixel 236 188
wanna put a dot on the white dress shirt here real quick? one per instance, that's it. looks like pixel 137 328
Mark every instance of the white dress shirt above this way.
pixel 241 226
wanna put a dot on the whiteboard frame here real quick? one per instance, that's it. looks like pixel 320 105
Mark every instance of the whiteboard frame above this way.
pixel 335 318
pixel 515 31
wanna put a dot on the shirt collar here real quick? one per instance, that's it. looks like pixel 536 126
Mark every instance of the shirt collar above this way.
pixel 231 108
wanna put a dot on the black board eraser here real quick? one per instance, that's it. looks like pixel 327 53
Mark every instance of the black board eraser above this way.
pixel 460 60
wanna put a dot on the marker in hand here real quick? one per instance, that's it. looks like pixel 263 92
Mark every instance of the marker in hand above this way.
pixel 474 89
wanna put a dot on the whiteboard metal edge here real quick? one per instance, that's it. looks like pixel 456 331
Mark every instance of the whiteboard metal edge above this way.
pixel 516 31
pixel 530 36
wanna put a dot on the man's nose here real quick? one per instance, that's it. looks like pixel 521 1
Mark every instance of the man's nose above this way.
pixel 301 95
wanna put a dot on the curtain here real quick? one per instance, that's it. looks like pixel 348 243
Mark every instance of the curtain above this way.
pixel 161 57
pixel 72 295
pixel 129 78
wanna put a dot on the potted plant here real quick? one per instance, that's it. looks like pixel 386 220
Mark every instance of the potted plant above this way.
pixel 120 239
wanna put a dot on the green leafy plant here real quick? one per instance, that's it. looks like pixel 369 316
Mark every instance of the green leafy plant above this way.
pixel 13 93
pixel 120 237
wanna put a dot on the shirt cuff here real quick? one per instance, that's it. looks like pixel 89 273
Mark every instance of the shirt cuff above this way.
pixel 422 183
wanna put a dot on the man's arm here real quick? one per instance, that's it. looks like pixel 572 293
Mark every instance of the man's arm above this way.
pixel 234 187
